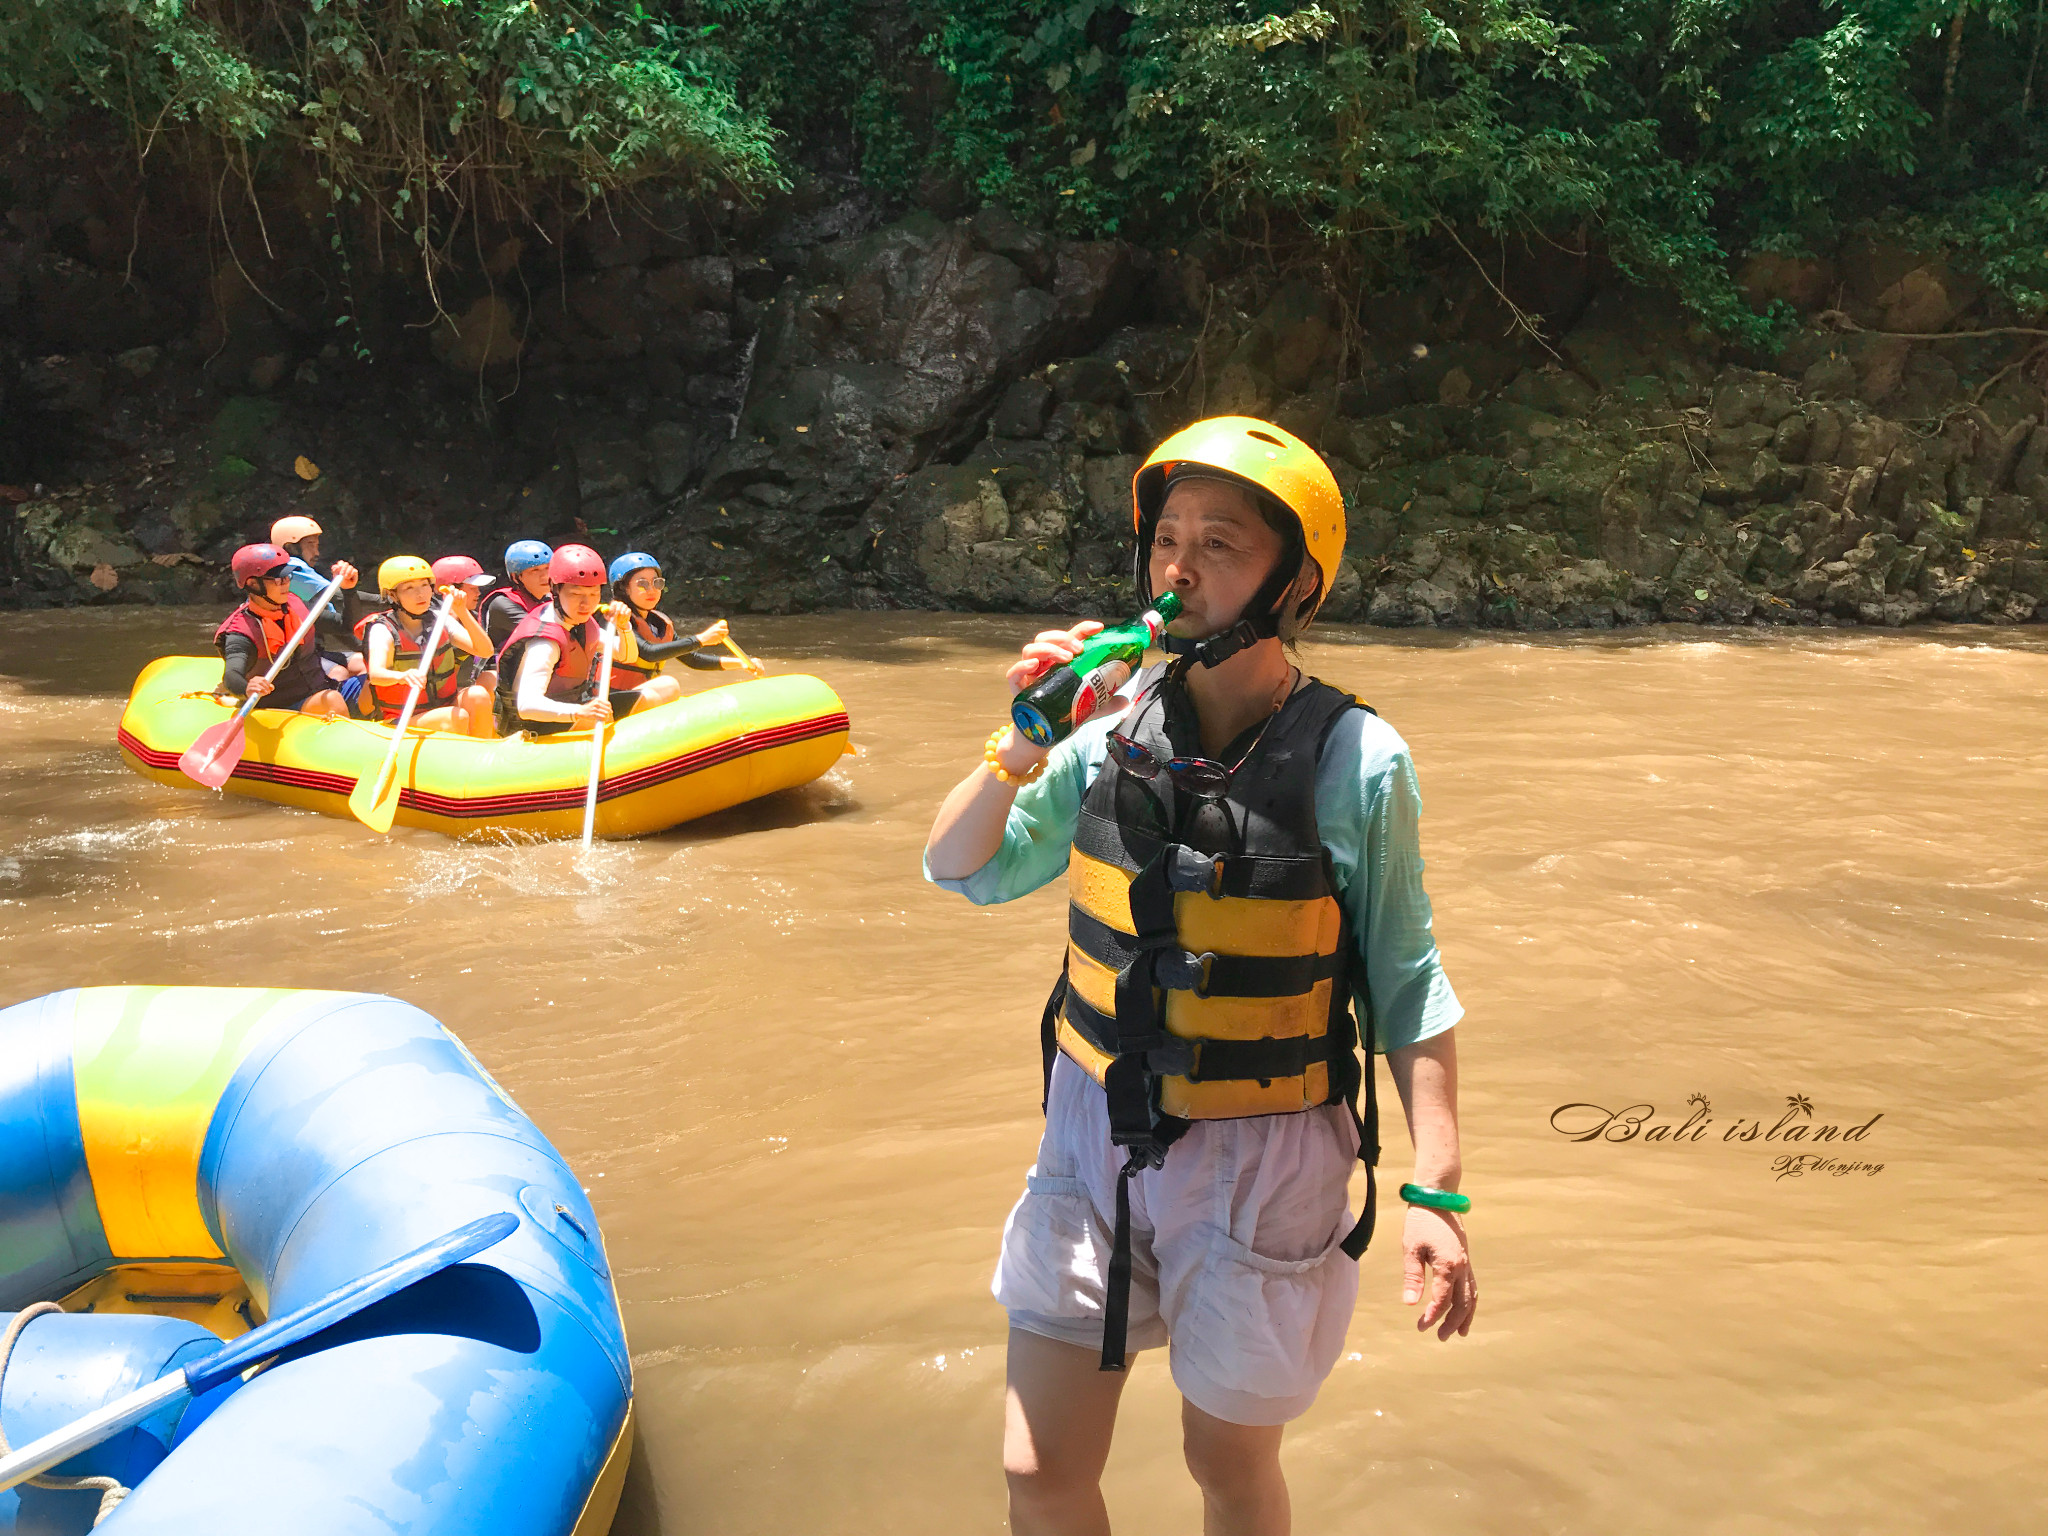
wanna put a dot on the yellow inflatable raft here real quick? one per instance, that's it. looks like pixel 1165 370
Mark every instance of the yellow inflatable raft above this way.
pixel 702 754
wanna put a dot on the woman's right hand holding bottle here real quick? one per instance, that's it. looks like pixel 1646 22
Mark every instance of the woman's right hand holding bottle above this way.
pixel 1015 752
pixel 1052 648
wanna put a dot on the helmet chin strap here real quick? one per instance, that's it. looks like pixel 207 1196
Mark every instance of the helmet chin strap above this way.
pixel 1220 648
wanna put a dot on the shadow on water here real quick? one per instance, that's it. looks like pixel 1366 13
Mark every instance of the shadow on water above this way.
pixel 827 799
pixel 639 1505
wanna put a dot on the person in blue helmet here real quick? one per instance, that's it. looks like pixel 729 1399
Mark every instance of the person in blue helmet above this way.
pixel 637 582
pixel 524 589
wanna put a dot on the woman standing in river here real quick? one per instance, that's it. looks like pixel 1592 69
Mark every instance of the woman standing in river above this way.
pixel 1243 866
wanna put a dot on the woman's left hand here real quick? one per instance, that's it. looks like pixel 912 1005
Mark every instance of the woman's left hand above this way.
pixel 1433 1252
pixel 716 634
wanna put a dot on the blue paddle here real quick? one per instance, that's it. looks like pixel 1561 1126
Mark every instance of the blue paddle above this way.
pixel 258 1344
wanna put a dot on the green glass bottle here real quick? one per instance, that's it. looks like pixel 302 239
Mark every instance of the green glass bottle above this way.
pixel 1046 712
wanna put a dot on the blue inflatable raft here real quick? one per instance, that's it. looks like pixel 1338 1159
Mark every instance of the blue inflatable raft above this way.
pixel 179 1163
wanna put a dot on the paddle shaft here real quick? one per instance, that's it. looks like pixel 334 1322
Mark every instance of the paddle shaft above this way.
pixel 597 730
pixel 259 1344
pixel 305 626
pixel 412 698
pixel 82 1435
pixel 734 646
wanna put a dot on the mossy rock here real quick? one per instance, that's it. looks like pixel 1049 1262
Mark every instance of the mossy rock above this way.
pixel 231 473
pixel 240 426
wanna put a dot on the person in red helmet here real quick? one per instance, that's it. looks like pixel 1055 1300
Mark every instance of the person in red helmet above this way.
pixel 461 570
pixel 547 667
pixel 250 638
pixel 469 574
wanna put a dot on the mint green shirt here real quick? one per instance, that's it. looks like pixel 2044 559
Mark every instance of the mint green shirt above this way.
pixel 1368 810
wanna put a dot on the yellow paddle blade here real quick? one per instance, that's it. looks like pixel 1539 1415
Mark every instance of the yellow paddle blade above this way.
pixel 374 801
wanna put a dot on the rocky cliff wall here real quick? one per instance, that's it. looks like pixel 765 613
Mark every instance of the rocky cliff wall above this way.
pixel 804 406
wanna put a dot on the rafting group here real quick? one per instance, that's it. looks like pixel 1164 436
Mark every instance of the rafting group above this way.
pixel 532 704
pixel 524 653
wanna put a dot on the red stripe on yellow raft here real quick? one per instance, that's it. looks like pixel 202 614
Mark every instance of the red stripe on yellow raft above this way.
pixel 261 773
pixel 529 801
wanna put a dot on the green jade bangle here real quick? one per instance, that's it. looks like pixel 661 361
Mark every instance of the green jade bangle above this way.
pixel 1436 1199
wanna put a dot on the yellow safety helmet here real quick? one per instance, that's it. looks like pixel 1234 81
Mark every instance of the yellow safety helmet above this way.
pixel 399 569
pixel 1269 459
pixel 289 530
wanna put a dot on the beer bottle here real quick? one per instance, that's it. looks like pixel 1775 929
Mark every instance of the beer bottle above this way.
pixel 1047 711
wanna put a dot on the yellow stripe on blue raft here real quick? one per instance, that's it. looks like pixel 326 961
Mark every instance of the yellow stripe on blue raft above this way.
pixel 601 1508
pixel 149 1065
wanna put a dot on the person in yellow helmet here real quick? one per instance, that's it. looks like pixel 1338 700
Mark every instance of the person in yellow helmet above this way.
pixel 393 639
pixel 1245 910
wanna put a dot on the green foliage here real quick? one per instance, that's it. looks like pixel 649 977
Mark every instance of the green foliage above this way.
pixel 424 110
pixel 798 62
pixel 1355 135
pixel 1682 134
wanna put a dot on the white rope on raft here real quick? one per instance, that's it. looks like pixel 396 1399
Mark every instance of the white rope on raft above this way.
pixel 110 1490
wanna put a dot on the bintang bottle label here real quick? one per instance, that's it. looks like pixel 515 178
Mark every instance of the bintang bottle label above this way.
pixel 1046 711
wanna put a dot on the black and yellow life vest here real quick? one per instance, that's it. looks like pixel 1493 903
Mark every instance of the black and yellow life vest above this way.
pixel 443 682
pixel 1210 966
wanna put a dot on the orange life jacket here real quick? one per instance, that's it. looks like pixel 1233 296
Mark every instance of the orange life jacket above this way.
pixel 271 632
pixel 653 628
pixel 441 686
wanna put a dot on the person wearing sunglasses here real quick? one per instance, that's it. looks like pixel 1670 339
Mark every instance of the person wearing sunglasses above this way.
pixel 637 582
pixel 1245 909
pixel 252 637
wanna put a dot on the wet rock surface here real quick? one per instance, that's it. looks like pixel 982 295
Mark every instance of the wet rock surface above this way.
pixel 806 407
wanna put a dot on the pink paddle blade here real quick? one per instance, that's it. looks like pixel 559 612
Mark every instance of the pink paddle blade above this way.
pixel 211 758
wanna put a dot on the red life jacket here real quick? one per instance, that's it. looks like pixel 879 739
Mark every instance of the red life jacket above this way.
pixel 652 628
pixel 441 686
pixel 271 632
pixel 574 678
pixel 513 595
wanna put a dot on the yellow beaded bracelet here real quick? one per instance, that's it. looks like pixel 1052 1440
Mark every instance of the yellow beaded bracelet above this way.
pixel 994 765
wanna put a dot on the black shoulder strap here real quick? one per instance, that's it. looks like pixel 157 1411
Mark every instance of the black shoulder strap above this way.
pixel 1049 1033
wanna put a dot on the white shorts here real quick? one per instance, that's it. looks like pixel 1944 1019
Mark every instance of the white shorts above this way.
pixel 1235 1261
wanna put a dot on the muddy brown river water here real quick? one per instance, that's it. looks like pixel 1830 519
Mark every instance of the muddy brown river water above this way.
pixel 802 1086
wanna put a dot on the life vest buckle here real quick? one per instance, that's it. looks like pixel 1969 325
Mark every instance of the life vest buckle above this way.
pixel 1145 1152
pixel 1189 870
pixel 1173 1057
pixel 1178 970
